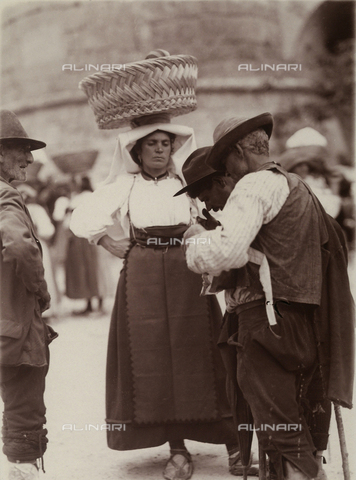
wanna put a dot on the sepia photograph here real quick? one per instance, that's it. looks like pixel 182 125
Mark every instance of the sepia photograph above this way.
pixel 177 227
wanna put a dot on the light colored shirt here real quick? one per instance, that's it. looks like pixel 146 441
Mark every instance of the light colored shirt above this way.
pixel 256 199
pixel 60 208
pixel 153 203
pixel 106 211
pixel 44 227
pixel 330 201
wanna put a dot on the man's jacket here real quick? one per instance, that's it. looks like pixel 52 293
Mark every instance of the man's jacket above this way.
pixel 334 319
pixel 24 336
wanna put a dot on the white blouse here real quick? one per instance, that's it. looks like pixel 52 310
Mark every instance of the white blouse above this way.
pixel 153 203
pixel 105 211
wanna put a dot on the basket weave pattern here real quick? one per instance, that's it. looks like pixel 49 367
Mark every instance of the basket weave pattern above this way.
pixel 164 84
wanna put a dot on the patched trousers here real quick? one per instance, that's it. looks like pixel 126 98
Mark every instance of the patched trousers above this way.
pixel 274 366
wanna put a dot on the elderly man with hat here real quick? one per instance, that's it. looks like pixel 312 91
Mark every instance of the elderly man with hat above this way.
pixel 287 283
pixel 24 335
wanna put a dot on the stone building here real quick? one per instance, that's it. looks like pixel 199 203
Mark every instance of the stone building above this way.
pixel 253 56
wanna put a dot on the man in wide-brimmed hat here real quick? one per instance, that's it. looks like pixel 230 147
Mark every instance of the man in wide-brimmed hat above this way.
pixel 200 176
pixel 233 136
pixel 24 335
pixel 273 234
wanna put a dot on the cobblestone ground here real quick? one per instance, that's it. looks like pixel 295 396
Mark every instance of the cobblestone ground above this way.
pixel 75 412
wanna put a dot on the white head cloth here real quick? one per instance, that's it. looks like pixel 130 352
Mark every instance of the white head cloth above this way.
pixel 123 163
pixel 305 137
pixel 99 214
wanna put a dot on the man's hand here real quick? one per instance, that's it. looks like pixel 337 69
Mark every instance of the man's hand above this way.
pixel 119 248
pixel 194 230
pixel 44 298
pixel 44 301
pixel 209 222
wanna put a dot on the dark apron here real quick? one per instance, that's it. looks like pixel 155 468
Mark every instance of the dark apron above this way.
pixel 170 338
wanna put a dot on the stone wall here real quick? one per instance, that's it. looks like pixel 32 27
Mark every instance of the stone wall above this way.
pixel 38 38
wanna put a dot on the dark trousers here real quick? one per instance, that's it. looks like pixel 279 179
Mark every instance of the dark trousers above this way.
pixel 319 412
pixel 274 368
pixel 22 390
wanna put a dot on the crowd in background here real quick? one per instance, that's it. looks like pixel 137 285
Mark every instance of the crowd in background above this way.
pixel 69 221
pixel 308 156
pixel 74 269
pixel 77 270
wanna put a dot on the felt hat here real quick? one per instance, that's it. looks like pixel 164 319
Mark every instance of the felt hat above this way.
pixel 11 129
pixel 231 130
pixel 195 168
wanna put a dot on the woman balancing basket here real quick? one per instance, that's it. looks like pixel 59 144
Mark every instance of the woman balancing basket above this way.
pixel 165 380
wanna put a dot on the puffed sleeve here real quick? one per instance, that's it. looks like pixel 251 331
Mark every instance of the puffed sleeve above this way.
pixel 100 213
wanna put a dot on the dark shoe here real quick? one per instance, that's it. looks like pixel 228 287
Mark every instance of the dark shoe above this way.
pixel 179 466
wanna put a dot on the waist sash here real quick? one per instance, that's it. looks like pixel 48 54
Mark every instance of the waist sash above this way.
pixel 159 237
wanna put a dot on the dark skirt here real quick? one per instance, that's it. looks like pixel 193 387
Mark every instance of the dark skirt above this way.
pixel 81 269
pixel 165 377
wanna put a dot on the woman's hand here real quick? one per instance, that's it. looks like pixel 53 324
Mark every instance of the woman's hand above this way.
pixel 116 247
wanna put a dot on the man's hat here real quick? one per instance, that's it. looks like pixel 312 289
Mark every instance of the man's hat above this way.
pixel 11 129
pixel 231 130
pixel 195 168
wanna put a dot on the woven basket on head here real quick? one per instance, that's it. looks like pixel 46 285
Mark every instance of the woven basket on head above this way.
pixel 155 85
pixel 78 162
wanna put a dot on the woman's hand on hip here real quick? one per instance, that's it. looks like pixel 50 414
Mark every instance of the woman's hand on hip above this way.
pixel 116 247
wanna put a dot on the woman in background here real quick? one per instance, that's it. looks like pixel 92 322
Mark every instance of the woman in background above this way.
pixel 81 262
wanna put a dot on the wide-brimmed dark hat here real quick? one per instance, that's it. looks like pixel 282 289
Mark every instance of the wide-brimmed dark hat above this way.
pixel 231 130
pixel 195 168
pixel 11 129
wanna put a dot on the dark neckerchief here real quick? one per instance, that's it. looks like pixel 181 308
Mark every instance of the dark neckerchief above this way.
pixel 154 178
